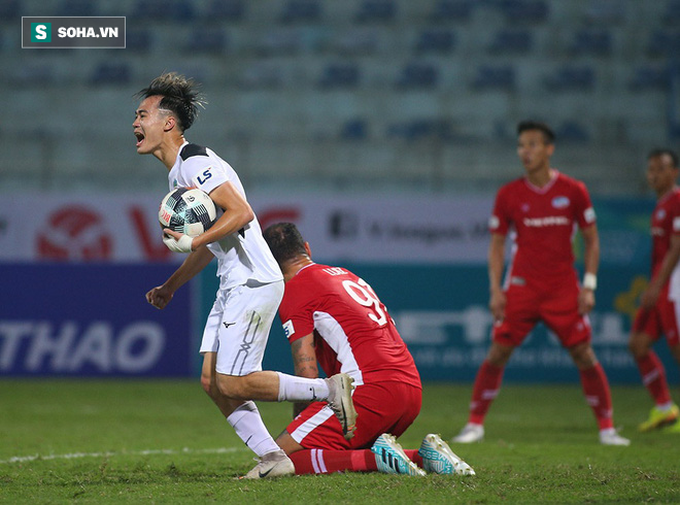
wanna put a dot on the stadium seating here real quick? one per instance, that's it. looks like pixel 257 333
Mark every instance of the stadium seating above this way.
pixel 511 40
pixel 225 11
pixel 524 11
pixel 164 10
pixel 375 73
pixel 648 77
pixel 78 8
pixel 664 43
pixel 417 75
pixel 111 74
pixel 597 42
pixel 435 40
pixel 571 78
pixel 451 10
pixel 301 11
pixel 499 77
pixel 340 75
pixel 206 40
pixel 371 11
pixel 10 11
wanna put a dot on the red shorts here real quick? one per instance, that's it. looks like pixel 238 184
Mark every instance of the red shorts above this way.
pixel 555 305
pixel 388 407
pixel 660 319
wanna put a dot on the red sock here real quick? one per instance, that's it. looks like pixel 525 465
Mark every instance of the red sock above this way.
pixel 322 461
pixel 414 456
pixel 487 384
pixel 654 377
pixel 598 395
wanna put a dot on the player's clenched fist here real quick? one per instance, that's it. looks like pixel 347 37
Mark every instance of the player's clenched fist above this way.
pixel 159 297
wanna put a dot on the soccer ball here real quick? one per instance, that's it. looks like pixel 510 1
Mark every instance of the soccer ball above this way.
pixel 187 210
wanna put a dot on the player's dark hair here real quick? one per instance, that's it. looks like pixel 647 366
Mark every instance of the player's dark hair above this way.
pixel 548 133
pixel 179 96
pixel 285 242
pixel 663 151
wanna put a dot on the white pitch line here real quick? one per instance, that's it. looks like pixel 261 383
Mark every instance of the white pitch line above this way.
pixel 150 452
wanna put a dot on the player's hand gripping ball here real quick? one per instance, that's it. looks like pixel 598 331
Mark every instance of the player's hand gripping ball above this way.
pixel 187 210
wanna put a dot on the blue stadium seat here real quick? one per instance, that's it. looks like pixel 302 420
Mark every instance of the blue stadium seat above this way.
pixel 354 129
pixel 595 42
pixel 164 10
pixel 501 77
pixel 340 75
pixel 279 41
pixel 111 73
pixel 664 43
pixel 571 131
pixel 10 11
pixel 78 8
pixel 451 10
pixel 649 77
pixel 225 10
pixel 376 11
pixel 510 40
pixel 531 11
pixel 421 128
pixel 605 12
pixel 571 78
pixel 207 40
pixel 262 75
pixel 301 11
pixel 30 75
pixel 672 14
pixel 435 40
pixel 418 75
pixel 356 40
pixel 139 40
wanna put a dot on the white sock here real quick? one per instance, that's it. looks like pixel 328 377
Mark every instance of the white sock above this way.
pixel 665 407
pixel 300 389
pixel 250 428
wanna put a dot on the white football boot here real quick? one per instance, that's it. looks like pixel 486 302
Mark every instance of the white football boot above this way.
pixel 272 464
pixel 340 388
pixel 611 437
pixel 439 458
pixel 469 434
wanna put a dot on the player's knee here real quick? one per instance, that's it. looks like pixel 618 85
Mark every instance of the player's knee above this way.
pixel 637 346
pixel 583 356
pixel 499 355
pixel 232 387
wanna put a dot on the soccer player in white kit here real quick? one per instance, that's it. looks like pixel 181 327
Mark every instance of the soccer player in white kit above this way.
pixel 251 283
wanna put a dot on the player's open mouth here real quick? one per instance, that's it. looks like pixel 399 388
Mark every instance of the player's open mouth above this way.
pixel 140 138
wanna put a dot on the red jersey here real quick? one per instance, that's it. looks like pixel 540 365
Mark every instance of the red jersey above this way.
pixel 352 329
pixel 544 220
pixel 665 223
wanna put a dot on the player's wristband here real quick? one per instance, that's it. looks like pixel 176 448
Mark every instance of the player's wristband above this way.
pixel 590 281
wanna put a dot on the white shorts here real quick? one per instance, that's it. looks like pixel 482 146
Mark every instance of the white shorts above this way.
pixel 238 327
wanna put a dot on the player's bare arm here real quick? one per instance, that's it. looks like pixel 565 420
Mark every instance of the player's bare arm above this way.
pixel 497 298
pixel 670 260
pixel 196 261
pixel 237 214
pixel 304 364
pixel 591 260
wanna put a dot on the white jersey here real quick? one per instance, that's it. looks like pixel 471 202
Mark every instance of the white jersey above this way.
pixel 242 257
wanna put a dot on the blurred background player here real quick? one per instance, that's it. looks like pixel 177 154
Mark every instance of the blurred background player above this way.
pixel 660 302
pixel 334 319
pixel 543 207
pixel 251 284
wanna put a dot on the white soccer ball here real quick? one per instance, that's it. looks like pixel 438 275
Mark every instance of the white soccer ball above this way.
pixel 187 210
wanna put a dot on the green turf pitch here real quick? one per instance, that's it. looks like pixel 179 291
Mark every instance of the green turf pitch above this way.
pixel 164 442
